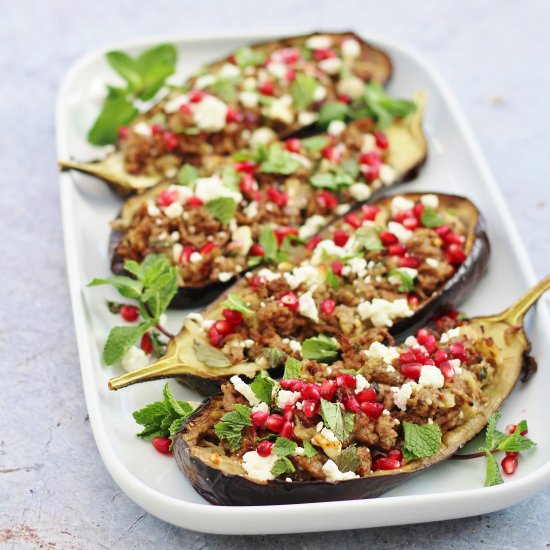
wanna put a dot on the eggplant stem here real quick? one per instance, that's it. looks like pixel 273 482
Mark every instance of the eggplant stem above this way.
pixel 165 367
pixel 160 328
pixel 472 455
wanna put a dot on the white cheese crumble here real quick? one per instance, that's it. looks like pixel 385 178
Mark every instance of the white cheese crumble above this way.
pixel 305 118
pixel 350 48
pixel 327 248
pixel 245 390
pixel 211 188
pixel 455 363
pixel 262 136
pixel 261 407
pixel 268 275
pixel 430 375
pixel 142 129
pixel 307 306
pixel 204 81
pixel 195 257
pixel 396 280
pixel 431 201
pixel 280 109
pixel 174 210
pixel 173 105
pixel 401 395
pixel 369 143
pixel 432 262
pixel 311 226
pixel 304 274
pixel 224 276
pixel 400 204
pixel 243 236
pixel 449 335
pixel 360 191
pixel 287 397
pixel 277 69
pixel 382 312
pixel 352 86
pixel 332 65
pixel 299 451
pixel 386 174
pixel 328 442
pixel 249 99
pixel 135 358
pixel 336 127
pixel 319 42
pixel 229 70
pixel 400 231
pixel 249 83
pixel 377 350
pixel 152 209
pixel 295 346
pixel 319 93
pixel 361 383
pixel 209 114
pixel 259 467
pixel 411 342
pixel 332 472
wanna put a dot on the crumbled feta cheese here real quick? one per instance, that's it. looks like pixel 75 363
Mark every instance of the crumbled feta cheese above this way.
pixel 411 342
pixel 361 383
pixel 195 317
pixel 195 257
pixel 243 236
pixel 401 395
pixel 306 274
pixel 229 70
pixel 286 397
pixel 449 335
pixel 360 191
pixel 249 99
pixel 211 188
pixel 332 472
pixel 311 226
pixel 336 127
pixel 251 210
pixel 259 467
pixel 432 262
pixel 280 109
pixel 400 204
pixel 142 129
pixel 429 200
pixel 386 174
pixel 173 105
pixel 299 451
pixel 350 48
pixel 177 249
pixel 382 312
pixel 377 350
pixel 455 363
pixel 307 307
pixel 173 210
pixel 204 81
pixel 152 209
pixel 175 236
pixel 295 346
pixel 245 390
pixel 305 118
pixel 268 275
pixel 357 265
pixel 135 358
pixel 400 231
pixel 369 143
pixel 389 368
pixel 332 65
pixel 262 136
pixel 224 276
pixel 430 375
pixel 319 42
pixel 319 93
pixel 327 248
pixel 342 209
pixel 260 407
pixel 249 83
pixel 319 426
pixel 209 114
pixel 328 442
pixel 352 86
pixel 277 69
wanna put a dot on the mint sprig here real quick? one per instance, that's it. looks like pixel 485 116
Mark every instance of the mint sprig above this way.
pixel 321 348
pixel 232 424
pixel 420 440
pixel 339 421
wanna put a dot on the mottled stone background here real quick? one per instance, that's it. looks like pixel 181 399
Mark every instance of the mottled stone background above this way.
pixel 54 489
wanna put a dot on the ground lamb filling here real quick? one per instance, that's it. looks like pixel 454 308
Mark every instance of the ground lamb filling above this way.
pixel 369 273
pixel 435 378
pixel 248 98
pixel 292 190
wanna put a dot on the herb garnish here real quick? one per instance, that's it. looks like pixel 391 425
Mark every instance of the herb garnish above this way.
pixel 222 208
pixel 420 440
pixel 236 303
pixel 407 282
pixel 339 421
pixel 321 348
pixel 262 386
pixel 430 218
pixel 232 424
pixel 293 368
pixel 302 90
pixel 347 460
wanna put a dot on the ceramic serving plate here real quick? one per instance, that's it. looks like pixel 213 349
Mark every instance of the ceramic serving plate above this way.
pixel 450 490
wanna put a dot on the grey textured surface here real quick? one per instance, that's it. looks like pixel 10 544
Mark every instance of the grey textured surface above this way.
pixel 54 489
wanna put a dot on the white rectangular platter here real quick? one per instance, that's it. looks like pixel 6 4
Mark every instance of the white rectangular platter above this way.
pixel 450 490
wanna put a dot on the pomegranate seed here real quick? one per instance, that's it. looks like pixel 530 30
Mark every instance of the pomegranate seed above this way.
pixel 419 354
pixel 233 115
pixel 258 418
pixel 346 380
pixel 310 407
pixel 325 199
pixel 157 129
pixel 370 212
pixel 290 301
pixel 400 217
pixel 290 55
pixel 280 198
pixel 447 370
pixel 372 410
pixel 327 389
pixel 409 261
pixel 194 201
pixel 428 361
pixel 509 465
pixel 146 344
pixel 257 281
pixel 266 87
pixel 311 391
pixel 413 299
pixel 327 306
pixel 371 173
pixel 223 327
pixel 331 153
pixel 411 223
pixel 418 210
pixel 337 267
pixel 264 448
pixel 411 370
pixel 248 183
pixel 340 237
pixel 430 343
pixel 323 53
pixel 215 337
pixel 456 254
pixel 344 99
pixel 397 250
pixel 454 238
pixel 407 357
pixel 371 159
pixel 186 253
pixel 385 463
pixel 162 445
pixel 458 351
pixel 286 430
pixel 366 395
pixel 274 422
pixel 166 198
pixel 256 250
pixel 185 109
pixel 513 454
pixel 245 166
pixel 294 145
pixel 440 356
pixel 170 141
pixel 351 404
pixel 352 218
pixel 313 242
pixel 287 383
pixel 442 230
pixel 196 96
pixel 123 132
pixel 381 139
pixel 207 247
pixel 288 412
pixel 290 75
pixel 395 454
pixel 388 238
pixel 298 385
pixel 232 316
pixel 511 428
pixel 129 313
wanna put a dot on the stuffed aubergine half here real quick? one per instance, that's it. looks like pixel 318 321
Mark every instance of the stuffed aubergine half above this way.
pixel 357 428
pixel 259 92
pixel 380 270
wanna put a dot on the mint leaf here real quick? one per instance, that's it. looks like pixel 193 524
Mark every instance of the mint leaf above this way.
pixel 224 88
pixel 332 110
pixel 180 408
pixel 236 303
pixel 293 368
pixel 351 167
pixel 407 282
pixel 279 161
pixel 421 440
pixel 126 286
pixel 126 67
pixel 515 442
pixel 323 180
pixel 155 66
pixel 274 357
pixel 282 466
pixel 309 449
pixel 302 90
pixel 315 143
pixel 187 174
pixel 247 57
pixel 231 178
pixel 222 208
pixel 332 279
pixel 232 424
pixel 385 108
pixel 321 348
pixel 284 446
pixel 492 436
pixel 340 422
pixel 262 386
pixel 492 471
pixel 268 240
pixel 117 111
pixel 209 355
pixel 347 460
pixel 430 218
pixel 121 339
